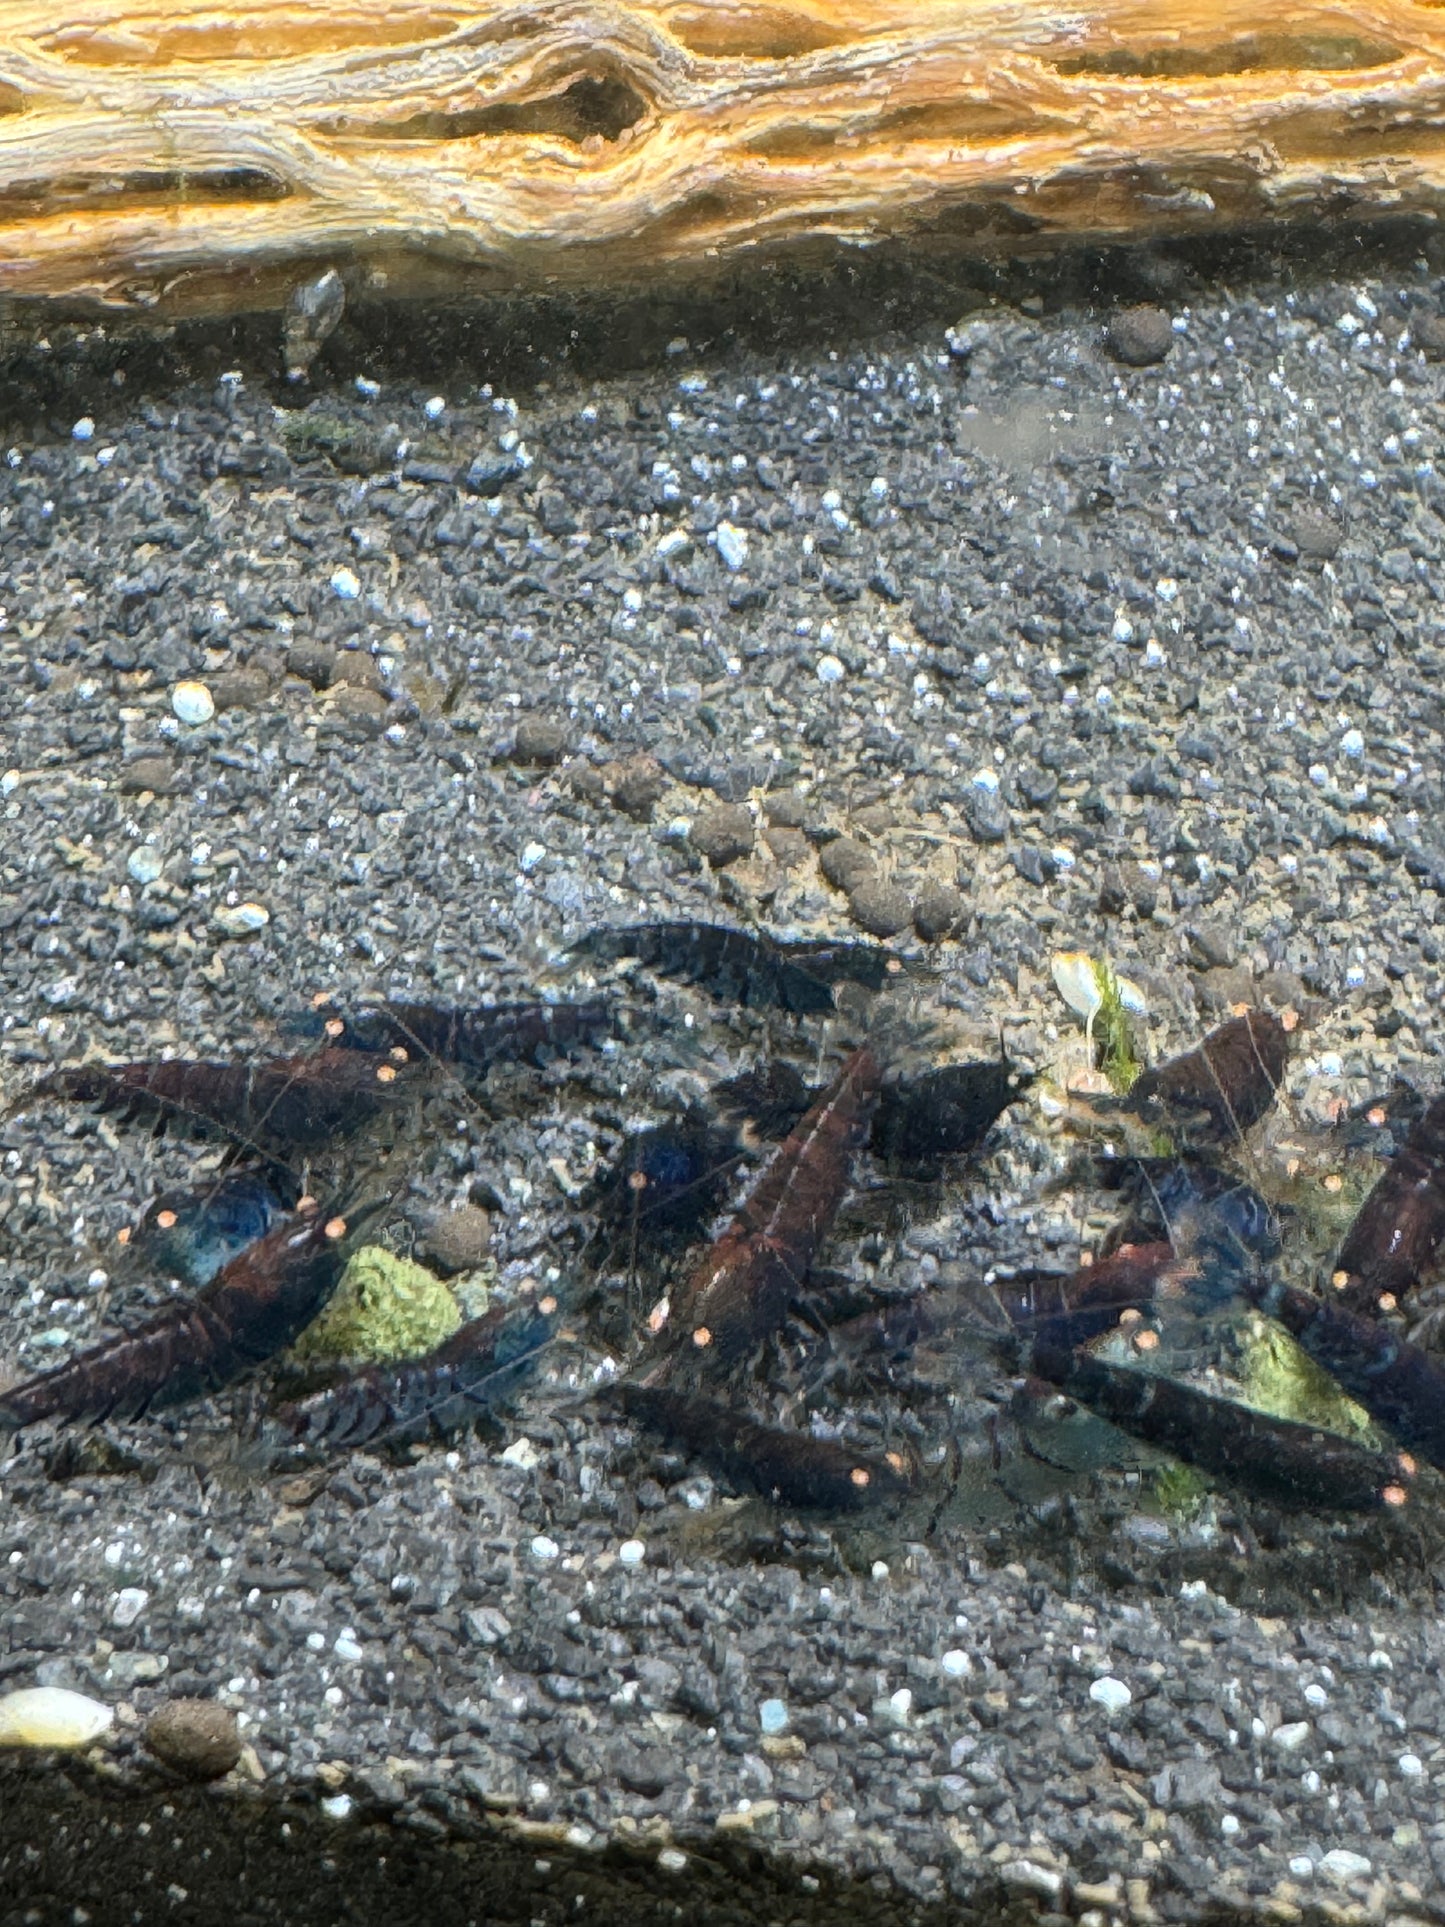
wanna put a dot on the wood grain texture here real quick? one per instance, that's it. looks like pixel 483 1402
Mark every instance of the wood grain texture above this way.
pixel 188 156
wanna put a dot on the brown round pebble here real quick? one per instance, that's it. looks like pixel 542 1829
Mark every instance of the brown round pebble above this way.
pixel 636 784
pixel 195 1737
pixel 874 819
pixel 1427 331
pixel 458 1240
pixel 539 739
pixel 722 833
pixel 1140 336
pixel 154 773
pixel 1314 533
pixel 313 662
pixel 939 912
pixel 789 847
pixel 358 705
pixel 244 688
pixel 846 864
pixel 787 809
pixel 880 908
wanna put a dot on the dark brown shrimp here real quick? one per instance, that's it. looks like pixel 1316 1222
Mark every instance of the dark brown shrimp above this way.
pixel 1277 1457
pixel 1219 1089
pixel 1399 1385
pixel 743 966
pixel 468 1375
pixel 1065 1311
pixel 1400 1227
pixel 253 1308
pixel 741 1291
pixel 284 1103
pixel 471 1038
pixel 791 1468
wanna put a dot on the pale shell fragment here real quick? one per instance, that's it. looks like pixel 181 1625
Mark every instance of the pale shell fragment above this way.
pixel 1077 982
pixel 193 702
pixel 52 1716
pixel 242 919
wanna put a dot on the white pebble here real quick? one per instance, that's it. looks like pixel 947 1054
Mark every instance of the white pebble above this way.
pixel 9 782
pixel 436 408
pixel 367 388
pixel 880 1568
pixel 773 1716
pixel 1301 1866
pixel 1331 1064
pixel 1352 743
pixel 241 919
pixel 631 1552
pixel 1341 1864
pixel 672 1860
pixel 128 1605
pixel 1123 630
pixel 1319 775
pixel 1316 1696
pixel 193 703
pixel 51 1716
pixel 1355 976
pixel 345 583
pixel 345 1646
pixel 337 1806
pixel 532 856
pixel 957 1663
pixel 545 1548
pixel 985 779
pixel 732 545
pixel 522 1452
pixel 1311 1782
pixel 1166 588
pixel 1229 1825
pixel 83 429
pixel 1110 1693
pixel 1411 1765
pixel 1289 1739
pixel 1381 1662
pixel 830 669
pixel 144 864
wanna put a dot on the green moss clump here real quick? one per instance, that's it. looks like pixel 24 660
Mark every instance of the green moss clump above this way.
pixel 1113 1035
pixel 1277 1377
pixel 1180 1491
pixel 385 1307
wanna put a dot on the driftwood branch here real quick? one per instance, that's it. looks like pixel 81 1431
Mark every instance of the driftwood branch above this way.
pixel 198 155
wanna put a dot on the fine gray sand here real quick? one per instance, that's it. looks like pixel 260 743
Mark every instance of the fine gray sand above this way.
pixel 524 621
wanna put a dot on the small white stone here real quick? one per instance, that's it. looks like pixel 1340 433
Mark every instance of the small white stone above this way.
pixel 1332 1065
pixel 1319 775
pixel 1289 1739
pixel 1411 1765
pixel 523 1453
pixel 544 1548
pixel 1229 1825
pixel 1301 1866
pixel 773 1716
pixel 732 545
pixel 193 703
pixel 631 1552
pixel 338 1806
pixel 436 408
pixel 1352 743
pixel 1316 1696
pixel 241 919
pixel 367 388
pixel 9 782
pixel 345 583
pixel 1340 1864
pixel 1311 1782
pixel 83 429
pixel 985 779
pixel 1379 1662
pixel 1123 630
pixel 531 856
pixel 957 1663
pixel 880 1569
pixel 830 669
pixel 128 1605
pixel 1110 1693
pixel 1166 588
pixel 1027 1876
pixel 672 1860
pixel 346 1646
pixel 1355 976
pixel 901 1703
pixel 52 1716
pixel 144 863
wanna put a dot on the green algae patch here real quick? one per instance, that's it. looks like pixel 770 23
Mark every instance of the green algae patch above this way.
pixel 1113 1032
pixel 385 1307
pixel 1179 1492
pixel 1277 1377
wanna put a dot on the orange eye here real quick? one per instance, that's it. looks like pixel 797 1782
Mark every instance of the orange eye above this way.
pixel 386 1073
pixel 702 1337
pixel 547 1305
pixel 334 1027
pixel 859 1476
pixel 165 1219
pixel 335 1228
pixel 122 1237
pixel 1395 1495
pixel 398 1055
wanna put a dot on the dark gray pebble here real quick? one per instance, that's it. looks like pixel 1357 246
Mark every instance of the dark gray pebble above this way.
pixel 457 1240
pixel 880 908
pixel 723 833
pixel 539 739
pixel 244 688
pixel 939 912
pixel 788 809
pixel 1427 331
pixel 846 864
pixel 1210 947
pixel 987 815
pixel 313 662
pixel 1125 887
pixel 1140 336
